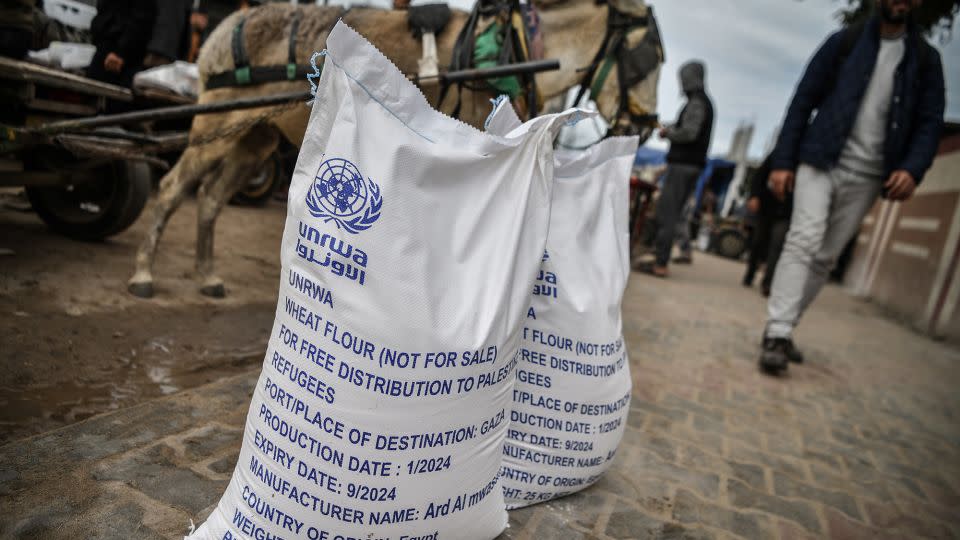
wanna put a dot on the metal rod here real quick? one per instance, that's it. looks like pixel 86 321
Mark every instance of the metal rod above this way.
pixel 166 113
pixel 506 70
pixel 185 111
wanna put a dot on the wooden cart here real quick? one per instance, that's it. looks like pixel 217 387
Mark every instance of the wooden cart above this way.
pixel 87 176
pixel 78 183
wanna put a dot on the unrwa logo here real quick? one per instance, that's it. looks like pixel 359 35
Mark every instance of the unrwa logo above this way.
pixel 341 194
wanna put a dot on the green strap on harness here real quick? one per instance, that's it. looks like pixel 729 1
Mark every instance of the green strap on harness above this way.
pixel 486 53
pixel 242 75
pixel 618 26
pixel 602 75
pixel 292 46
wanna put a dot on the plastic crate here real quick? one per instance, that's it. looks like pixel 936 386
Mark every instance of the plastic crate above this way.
pixel 70 12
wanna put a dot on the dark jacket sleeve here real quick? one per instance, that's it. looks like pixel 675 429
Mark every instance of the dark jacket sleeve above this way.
pixel 808 96
pixel 758 181
pixel 170 28
pixel 925 138
pixel 694 117
pixel 137 30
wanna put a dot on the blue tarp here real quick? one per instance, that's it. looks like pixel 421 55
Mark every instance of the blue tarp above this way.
pixel 651 157
pixel 718 174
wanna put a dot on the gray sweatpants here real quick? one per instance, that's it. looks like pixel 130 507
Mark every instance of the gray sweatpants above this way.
pixel 828 207
pixel 680 182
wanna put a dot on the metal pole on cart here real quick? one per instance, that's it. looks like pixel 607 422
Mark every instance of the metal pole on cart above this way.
pixel 184 111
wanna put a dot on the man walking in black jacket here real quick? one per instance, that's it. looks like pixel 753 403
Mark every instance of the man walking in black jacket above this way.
pixel 770 230
pixel 689 143
pixel 878 93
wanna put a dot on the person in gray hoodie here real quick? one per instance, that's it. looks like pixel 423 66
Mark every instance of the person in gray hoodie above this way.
pixel 689 143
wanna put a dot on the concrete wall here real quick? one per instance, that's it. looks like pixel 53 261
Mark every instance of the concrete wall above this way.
pixel 908 254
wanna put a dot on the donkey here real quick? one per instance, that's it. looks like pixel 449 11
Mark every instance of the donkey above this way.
pixel 573 31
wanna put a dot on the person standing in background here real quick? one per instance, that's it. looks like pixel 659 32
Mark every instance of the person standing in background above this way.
pixel 770 230
pixel 170 38
pixel 689 143
pixel 878 92
pixel 16 27
pixel 684 242
pixel 199 23
pixel 120 31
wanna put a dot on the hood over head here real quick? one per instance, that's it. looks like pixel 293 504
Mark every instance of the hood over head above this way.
pixel 693 77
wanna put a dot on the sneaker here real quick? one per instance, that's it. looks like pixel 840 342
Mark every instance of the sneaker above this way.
pixel 774 358
pixel 653 270
pixel 684 258
pixel 792 352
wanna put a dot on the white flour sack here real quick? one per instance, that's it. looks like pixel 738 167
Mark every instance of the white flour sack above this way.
pixel 411 244
pixel 573 391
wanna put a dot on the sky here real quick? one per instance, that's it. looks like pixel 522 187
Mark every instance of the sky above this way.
pixel 755 51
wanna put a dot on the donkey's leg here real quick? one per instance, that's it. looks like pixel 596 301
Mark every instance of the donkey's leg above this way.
pixel 187 173
pixel 247 156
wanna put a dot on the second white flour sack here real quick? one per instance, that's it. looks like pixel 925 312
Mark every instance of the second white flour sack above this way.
pixel 573 390
pixel 410 247
pixel 572 396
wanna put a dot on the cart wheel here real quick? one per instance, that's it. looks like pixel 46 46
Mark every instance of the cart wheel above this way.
pixel 260 188
pixel 730 243
pixel 98 209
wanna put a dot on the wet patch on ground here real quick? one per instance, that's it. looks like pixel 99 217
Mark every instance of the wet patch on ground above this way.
pixel 59 369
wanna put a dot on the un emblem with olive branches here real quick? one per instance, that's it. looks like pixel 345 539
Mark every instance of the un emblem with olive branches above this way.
pixel 341 194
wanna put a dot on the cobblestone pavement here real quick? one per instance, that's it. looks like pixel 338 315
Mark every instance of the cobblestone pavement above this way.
pixel 862 441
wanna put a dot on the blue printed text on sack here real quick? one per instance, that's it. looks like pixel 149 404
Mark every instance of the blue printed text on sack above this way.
pixel 340 257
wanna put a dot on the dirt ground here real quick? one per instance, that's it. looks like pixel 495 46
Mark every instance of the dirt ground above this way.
pixel 74 343
pixel 859 442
